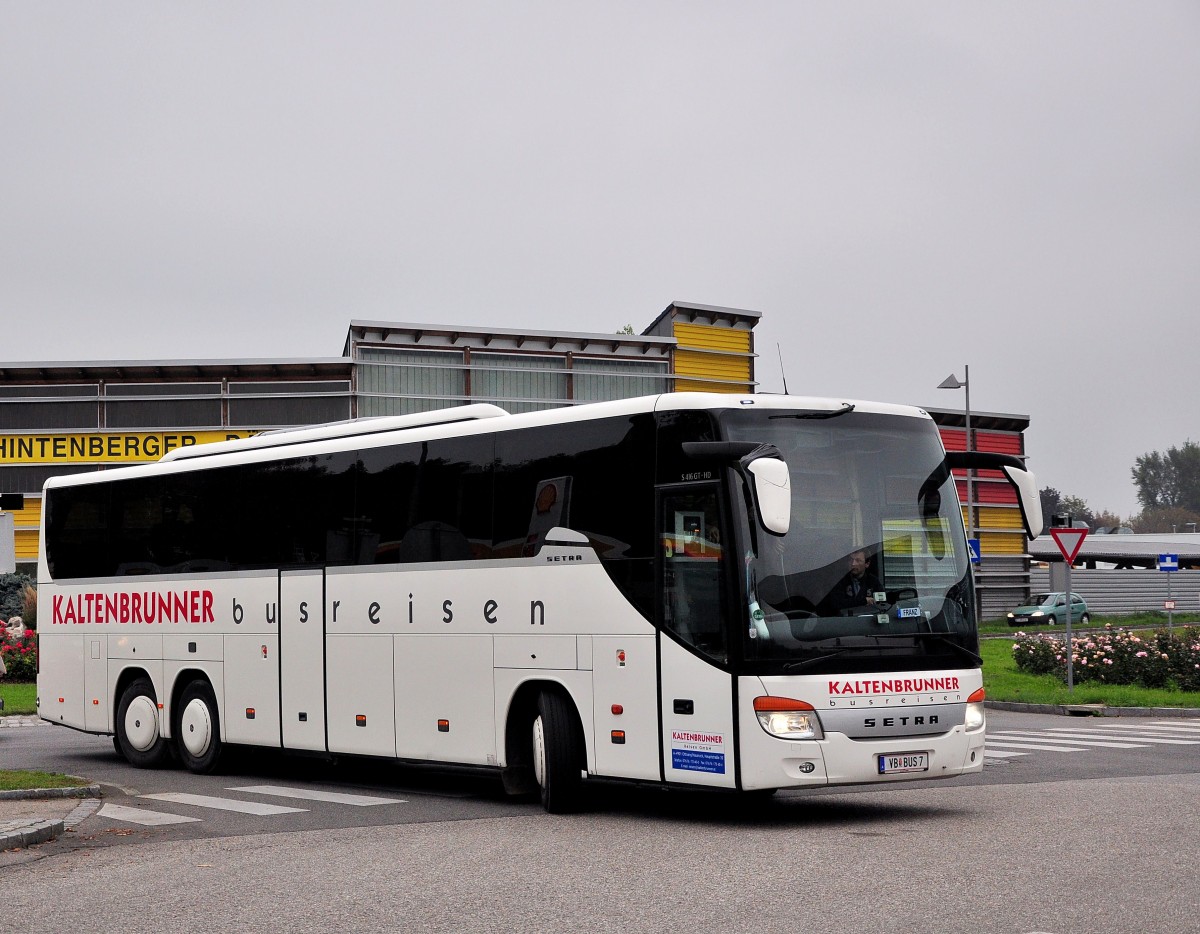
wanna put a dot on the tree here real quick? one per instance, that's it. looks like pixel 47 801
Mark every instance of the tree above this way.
pixel 13 589
pixel 1166 519
pixel 1171 480
pixel 1054 502
pixel 1050 498
pixel 1107 520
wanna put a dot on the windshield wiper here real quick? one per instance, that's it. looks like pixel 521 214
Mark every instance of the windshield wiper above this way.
pixel 936 636
pixel 808 662
pixel 842 649
pixel 818 413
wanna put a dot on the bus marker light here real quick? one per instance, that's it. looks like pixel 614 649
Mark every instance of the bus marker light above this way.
pixel 443 726
pixel 617 709
pixel 62 700
pixel 95 702
pixel 770 702
pixel 249 713
pixel 264 651
pixel 618 737
pixel 360 720
pixel 620 658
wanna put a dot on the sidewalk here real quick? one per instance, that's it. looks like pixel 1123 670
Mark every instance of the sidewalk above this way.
pixel 40 814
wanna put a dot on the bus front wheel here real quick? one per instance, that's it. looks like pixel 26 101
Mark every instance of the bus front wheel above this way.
pixel 557 754
pixel 198 728
pixel 139 737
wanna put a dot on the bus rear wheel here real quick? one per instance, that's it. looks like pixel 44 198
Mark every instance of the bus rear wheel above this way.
pixel 557 754
pixel 198 728
pixel 139 736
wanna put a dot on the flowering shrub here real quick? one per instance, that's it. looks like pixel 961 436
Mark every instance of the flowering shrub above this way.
pixel 1116 656
pixel 20 655
pixel 1183 652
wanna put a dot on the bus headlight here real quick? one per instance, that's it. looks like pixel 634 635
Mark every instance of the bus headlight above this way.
pixel 788 718
pixel 975 715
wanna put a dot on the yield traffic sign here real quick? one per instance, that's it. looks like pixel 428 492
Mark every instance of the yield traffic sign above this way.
pixel 1069 541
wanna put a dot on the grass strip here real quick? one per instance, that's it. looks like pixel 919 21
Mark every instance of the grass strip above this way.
pixel 19 698
pixel 24 779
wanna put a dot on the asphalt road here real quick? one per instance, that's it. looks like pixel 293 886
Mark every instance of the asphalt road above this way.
pixel 1098 838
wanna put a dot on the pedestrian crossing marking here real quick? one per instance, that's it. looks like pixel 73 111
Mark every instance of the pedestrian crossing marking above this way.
pixel 1022 744
pixel 1021 735
pixel 312 794
pixel 1002 744
pixel 145 818
pixel 1101 734
pixel 224 804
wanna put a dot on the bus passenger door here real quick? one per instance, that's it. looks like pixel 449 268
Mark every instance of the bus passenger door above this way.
pixel 302 659
pixel 697 689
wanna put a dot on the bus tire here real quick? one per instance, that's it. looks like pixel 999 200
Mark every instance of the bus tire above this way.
pixel 198 728
pixel 139 729
pixel 557 754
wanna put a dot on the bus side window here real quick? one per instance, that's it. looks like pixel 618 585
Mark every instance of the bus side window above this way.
pixel 693 570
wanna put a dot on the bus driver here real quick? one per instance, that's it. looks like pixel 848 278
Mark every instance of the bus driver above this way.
pixel 857 587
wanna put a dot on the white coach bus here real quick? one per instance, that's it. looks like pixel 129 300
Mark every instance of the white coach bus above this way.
pixel 651 590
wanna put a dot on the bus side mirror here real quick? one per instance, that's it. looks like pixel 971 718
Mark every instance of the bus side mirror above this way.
pixel 1014 471
pixel 772 493
pixel 764 472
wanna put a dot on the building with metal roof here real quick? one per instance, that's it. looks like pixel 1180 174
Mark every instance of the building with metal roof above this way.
pixel 69 417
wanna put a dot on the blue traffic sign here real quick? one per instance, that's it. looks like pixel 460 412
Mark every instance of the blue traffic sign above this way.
pixel 1168 562
pixel 973 545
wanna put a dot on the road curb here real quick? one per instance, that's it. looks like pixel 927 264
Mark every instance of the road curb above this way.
pixel 30 833
pixel 32 794
pixel 13 721
pixel 17 834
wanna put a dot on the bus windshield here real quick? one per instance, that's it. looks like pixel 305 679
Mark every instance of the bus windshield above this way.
pixel 873 573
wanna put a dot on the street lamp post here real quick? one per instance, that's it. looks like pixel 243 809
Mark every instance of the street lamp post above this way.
pixel 952 382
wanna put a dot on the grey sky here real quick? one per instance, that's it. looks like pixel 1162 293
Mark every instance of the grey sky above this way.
pixel 900 188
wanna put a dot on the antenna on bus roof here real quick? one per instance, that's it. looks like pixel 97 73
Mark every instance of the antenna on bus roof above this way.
pixel 781 371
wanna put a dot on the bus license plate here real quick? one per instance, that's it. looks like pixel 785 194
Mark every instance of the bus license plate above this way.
pixel 904 762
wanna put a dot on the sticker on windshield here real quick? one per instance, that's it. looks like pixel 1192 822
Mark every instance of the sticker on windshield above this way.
pixel 907 612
